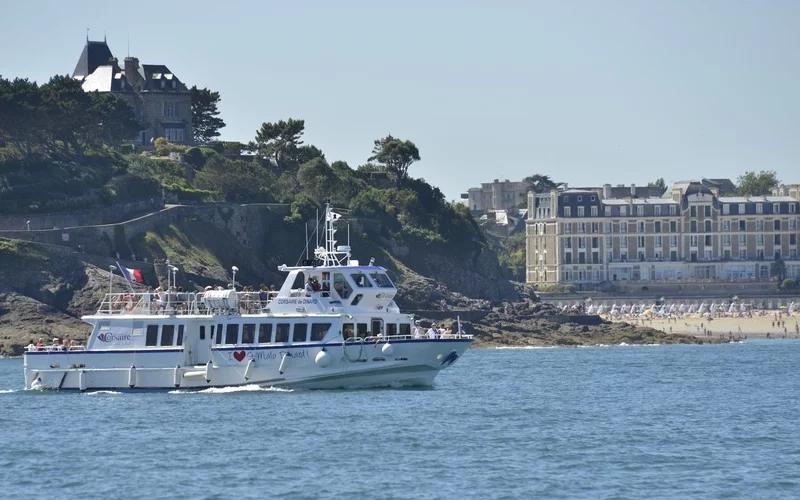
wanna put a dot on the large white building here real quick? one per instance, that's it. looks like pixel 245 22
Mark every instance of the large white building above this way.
pixel 588 236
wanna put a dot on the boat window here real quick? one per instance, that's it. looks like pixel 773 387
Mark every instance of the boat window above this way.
pixel 341 285
pixel 405 329
pixel 300 332
pixel 381 280
pixel 167 334
pixel 356 300
pixel 152 335
pixel 232 333
pixel 391 329
pixel 179 341
pixel 348 330
pixel 203 332
pixel 362 330
pixel 282 332
pixel 248 333
pixel 318 331
pixel 360 279
pixel 219 333
pixel 377 327
pixel 264 333
pixel 138 328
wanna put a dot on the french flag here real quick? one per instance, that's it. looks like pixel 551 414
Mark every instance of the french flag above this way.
pixel 131 274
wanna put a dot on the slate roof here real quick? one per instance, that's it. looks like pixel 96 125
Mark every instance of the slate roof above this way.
pixel 94 54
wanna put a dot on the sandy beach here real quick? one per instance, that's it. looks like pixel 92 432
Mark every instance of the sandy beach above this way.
pixel 767 326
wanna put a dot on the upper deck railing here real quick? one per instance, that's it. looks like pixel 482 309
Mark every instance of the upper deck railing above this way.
pixel 180 303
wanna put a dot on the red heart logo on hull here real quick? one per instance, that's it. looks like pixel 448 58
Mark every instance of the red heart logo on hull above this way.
pixel 239 355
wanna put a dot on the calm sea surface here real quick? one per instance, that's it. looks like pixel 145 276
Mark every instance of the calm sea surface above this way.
pixel 623 422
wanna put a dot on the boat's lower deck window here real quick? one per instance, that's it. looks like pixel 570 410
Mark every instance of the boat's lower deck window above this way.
pixel 179 340
pixel 219 333
pixel 167 334
pixel 391 329
pixel 152 335
pixel 348 330
pixel 232 333
pixel 300 332
pixel 405 329
pixel 362 330
pixel 248 333
pixel 319 330
pixel 264 333
pixel 203 332
pixel 282 332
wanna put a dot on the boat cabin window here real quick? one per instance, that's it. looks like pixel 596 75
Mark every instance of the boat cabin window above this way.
pixel 152 335
pixel 318 331
pixel 341 285
pixel 362 330
pixel 381 280
pixel 348 330
pixel 219 333
pixel 391 329
pixel 179 340
pixel 405 329
pixel 203 332
pixel 356 300
pixel 300 332
pixel 232 333
pixel 282 332
pixel 361 280
pixel 264 333
pixel 248 333
pixel 377 326
pixel 167 334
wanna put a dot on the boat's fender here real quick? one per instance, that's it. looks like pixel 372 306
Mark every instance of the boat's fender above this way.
pixel 387 349
pixel 132 377
pixel 322 359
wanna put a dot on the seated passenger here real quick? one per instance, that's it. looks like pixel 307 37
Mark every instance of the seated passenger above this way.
pixel 40 344
pixel 309 288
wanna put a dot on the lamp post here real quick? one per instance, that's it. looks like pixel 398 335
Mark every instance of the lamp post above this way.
pixel 166 262
pixel 28 224
pixel 110 281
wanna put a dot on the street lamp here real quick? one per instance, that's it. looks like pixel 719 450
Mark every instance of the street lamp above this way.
pixel 110 281
pixel 235 270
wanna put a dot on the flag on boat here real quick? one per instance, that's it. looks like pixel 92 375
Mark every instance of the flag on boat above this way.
pixel 333 216
pixel 130 274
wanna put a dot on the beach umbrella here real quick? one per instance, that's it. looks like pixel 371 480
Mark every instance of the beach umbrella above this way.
pixel 702 308
pixel 732 309
pixel 692 309
pixel 713 307
pixel 682 308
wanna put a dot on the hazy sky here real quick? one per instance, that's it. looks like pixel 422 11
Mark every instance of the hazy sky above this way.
pixel 587 92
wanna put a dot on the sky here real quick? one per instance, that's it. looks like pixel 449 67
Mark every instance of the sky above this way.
pixel 586 92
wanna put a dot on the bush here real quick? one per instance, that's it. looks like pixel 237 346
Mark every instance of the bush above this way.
pixel 194 157
pixel 789 284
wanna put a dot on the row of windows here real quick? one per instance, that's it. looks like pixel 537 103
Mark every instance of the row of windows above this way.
pixel 776 208
pixel 264 333
pixel 622 210
pixel 164 335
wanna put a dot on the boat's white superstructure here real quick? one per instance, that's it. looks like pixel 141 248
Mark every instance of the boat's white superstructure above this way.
pixel 330 325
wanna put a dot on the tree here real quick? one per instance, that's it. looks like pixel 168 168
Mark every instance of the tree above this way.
pixel 757 184
pixel 658 183
pixel 396 155
pixel 205 115
pixel 540 183
pixel 21 114
pixel 280 140
pixel 778 269
pixel 113 119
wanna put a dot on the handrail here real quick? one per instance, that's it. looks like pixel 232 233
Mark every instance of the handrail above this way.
pixel 173 303
pixel 55 348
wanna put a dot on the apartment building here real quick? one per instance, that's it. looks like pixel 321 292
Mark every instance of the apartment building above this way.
pixel 588 236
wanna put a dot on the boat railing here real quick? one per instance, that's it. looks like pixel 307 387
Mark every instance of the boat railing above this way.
pixel 376 339
pixel 175 303
pixel 55 348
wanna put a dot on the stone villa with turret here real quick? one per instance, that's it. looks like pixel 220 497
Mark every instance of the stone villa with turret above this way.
pixel 161 102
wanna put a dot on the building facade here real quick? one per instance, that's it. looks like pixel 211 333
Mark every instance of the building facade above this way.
pixel 587 236
pixel 497 195
pixel 160 101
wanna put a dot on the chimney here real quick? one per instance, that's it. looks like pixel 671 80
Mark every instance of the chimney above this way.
pixel 132 72
pixel 633 190
pixel 606 191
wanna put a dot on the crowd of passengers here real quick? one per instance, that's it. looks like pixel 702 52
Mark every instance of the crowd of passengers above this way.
pixel 55 345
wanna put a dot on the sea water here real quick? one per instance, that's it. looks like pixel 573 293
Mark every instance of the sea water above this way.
pixel 616 421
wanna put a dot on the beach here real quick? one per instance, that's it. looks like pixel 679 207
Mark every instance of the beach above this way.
pixel 769 325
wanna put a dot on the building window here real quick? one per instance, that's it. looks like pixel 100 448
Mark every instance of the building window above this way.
pixel 726 209
pixel 580 211
pixel 658 226
pixel 657 210
pixel 742 225
pixel 623 211
pixel 759 208
pixel 776 225
pixel 708 240
pixel 693 226
pixel 580 198
pixel 726 225
pixel 641 227
pixel 175 135
pixel 708 226
pixel 742 209
pixel 792 208
pixel 777 239
pixel 673 226
pixel 707 210
pixel 776 208
pixel 693 240
pixel 607 211
pixel 693 211
pixel 726 240
pixel 673 210
pixel 760 225
pixel 169 110
pixel 640 210
pixel 567 212
pixel 594 211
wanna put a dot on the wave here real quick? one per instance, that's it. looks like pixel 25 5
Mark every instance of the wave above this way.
pixel 103 392
pixel 7 391
pixel 243 388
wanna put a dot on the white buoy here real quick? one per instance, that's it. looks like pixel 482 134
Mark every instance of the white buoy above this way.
pixel 82 380
pixel 387 349
pixel 283 363
pixel 132 377
pixel 249 370
pixel 322 359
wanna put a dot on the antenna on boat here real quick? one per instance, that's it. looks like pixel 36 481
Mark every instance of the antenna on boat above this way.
pixel 110 279
pixel 306 240
pixel 234 269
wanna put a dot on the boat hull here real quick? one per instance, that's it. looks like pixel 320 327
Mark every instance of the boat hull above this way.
pixel 312 366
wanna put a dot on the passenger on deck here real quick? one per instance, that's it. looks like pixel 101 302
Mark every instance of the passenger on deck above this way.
pixel 417 330
pixel 40 344
pixel 432 331
pixel 309 288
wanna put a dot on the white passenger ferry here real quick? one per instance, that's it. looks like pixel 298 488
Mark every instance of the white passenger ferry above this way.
pixel 332 325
